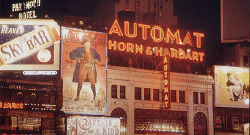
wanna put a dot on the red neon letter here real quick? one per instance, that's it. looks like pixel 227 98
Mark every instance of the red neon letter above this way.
pixel 116 29
pixel 161 34
pixel 112 45
pixel 126 30
pixel 138 49
pixel 121 46
pixel 198 38
pixel 130 47
pixel 144 30
pixel 188 39
pixel 172 36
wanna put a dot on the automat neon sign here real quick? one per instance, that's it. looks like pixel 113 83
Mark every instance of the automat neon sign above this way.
pixel 158 35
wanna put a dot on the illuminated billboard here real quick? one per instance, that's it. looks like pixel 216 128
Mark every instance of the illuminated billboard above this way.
pixel 231 87
pixel 29 44
pixel 136 38
pixel 84 71
pixel 84 125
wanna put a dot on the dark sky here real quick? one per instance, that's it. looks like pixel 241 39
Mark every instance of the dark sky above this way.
pixel 194 15
pixel 202 16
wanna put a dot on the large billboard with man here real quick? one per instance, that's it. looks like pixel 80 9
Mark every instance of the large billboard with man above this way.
pixel 84 71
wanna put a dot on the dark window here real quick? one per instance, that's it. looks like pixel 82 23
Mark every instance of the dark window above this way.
pixel 116 1
pixel 195 97
pixel 228 122
pixel 137 93
pixel 245 61
pixel 202 97
pixel 146 93
pixel 182 96
pixel 156 94
pixel 173 95
pixel 122 92
pixel 114 91
pixel 138 2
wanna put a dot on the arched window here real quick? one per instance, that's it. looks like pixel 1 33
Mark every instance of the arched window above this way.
pixel 200 124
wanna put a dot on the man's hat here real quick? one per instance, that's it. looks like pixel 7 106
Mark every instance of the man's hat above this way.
pixel 228 74
pixel 85 40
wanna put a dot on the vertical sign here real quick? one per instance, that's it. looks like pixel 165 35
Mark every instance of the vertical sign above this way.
pixel 84 71
pixel 166 82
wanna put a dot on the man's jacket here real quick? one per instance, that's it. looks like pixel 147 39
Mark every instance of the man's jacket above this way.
pixel 79 53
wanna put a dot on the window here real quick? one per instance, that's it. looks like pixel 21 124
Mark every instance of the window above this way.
pixel 122 92
pixel 156 94
pixel 147 94
pixel 138 2
pixel 228 122
pixel 173 95
pixel 202 98
pixel 182 96
pixel 137 93
pixel 195 97
pixel 245 61
pixel 114 91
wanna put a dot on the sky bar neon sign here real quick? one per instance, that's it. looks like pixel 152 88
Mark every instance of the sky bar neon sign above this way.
pixel 158 35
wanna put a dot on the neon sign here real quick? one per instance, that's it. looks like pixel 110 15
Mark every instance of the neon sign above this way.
pixel 157 35
pixel 32 4
pixel 166 82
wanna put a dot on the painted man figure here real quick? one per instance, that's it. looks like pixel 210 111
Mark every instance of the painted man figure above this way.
pixel 85 66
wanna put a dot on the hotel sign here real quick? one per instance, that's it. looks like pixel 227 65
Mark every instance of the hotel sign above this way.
pixel 28 8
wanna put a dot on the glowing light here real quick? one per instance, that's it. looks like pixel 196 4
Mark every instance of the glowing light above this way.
pixel 44 55
pixel 116 29
pixel 153 35
pixel 171 37
pixel 126 30
pixel 36 27
pixel 65 31
pixel 198 38
pixel 188 39
pixel 5 26
pixel 144 30
pixel 246 101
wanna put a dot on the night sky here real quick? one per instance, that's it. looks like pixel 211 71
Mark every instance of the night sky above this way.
pixel 194 15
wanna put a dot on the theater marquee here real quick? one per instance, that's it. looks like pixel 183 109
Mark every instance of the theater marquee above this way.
pixel 29 44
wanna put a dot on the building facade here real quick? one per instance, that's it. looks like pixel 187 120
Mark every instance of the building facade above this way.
pixel 136 95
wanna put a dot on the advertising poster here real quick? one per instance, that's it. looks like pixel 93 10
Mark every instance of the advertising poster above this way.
pixel 93 126
pixel 84 71
pixel 231 86
pixel 29 44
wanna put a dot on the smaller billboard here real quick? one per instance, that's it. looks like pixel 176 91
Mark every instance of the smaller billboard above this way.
pixel 84 125
pixel 231 86
pixel 84 71
pixel 29 44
